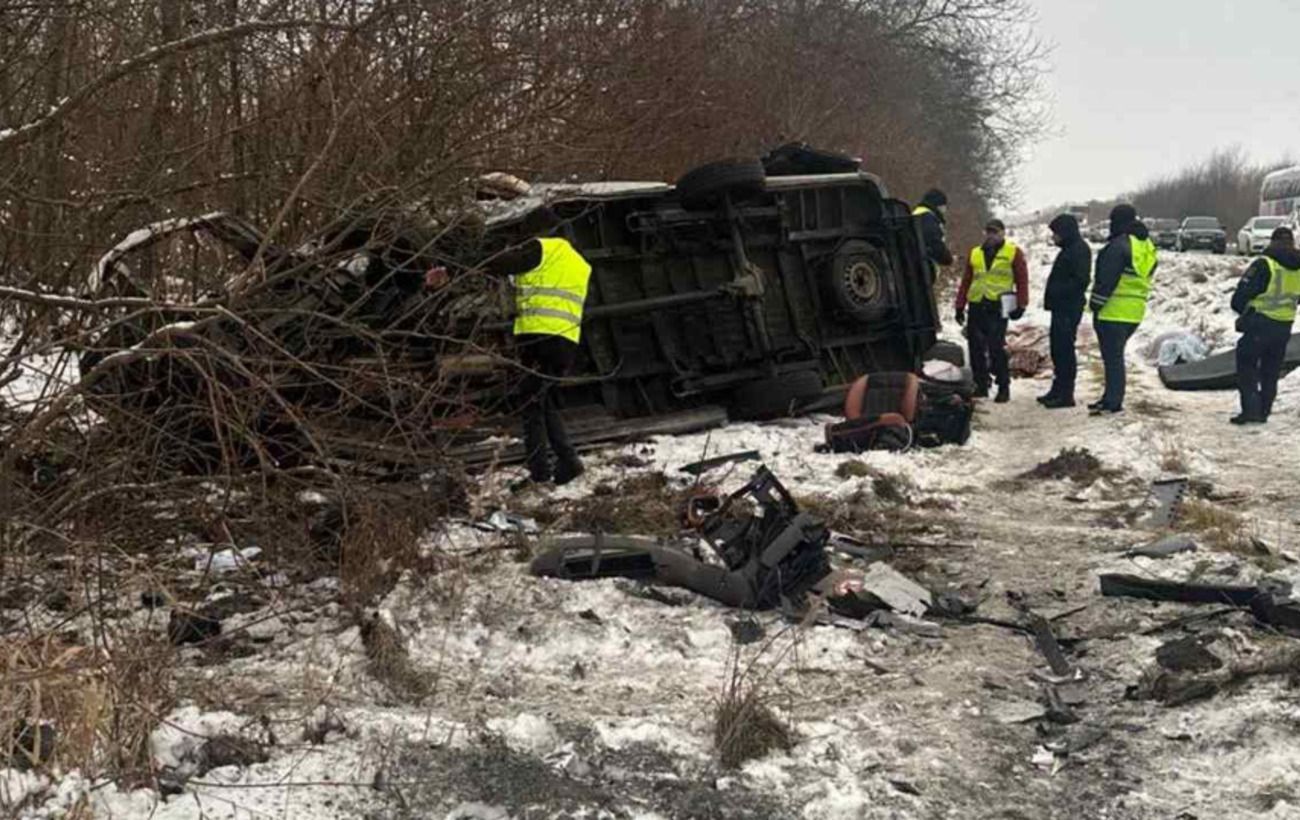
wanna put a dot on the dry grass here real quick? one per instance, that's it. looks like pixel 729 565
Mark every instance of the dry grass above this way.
pixel 645 504
pixel 1217 526
pixel 1077 464
pixel 853 468
pixel 390 663
pixel 68 706
pixel 380 540
pixel 1173 459
pixel 745 727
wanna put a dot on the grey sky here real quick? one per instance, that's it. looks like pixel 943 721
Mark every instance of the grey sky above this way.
pixel 1144 87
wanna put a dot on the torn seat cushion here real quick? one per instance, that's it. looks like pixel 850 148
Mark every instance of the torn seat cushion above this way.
pixel 887 431
pixel 880 393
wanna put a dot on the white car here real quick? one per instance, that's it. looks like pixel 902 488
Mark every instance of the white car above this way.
pixel 1254 235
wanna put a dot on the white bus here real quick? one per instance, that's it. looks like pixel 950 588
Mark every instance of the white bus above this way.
pixel 1280 193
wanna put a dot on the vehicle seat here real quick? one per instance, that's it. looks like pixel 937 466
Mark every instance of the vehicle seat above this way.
pixel 883 394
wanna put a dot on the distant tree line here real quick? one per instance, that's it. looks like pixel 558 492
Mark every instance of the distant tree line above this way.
pixel 117 113
pixel 1225 185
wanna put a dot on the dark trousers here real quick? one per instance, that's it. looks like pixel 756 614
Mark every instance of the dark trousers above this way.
pixel 546 358
pixel 1065 362
pixel 1113 337
pixel 986 335
pixel 1260 354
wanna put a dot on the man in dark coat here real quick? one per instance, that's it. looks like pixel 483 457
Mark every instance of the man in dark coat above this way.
pixel 931 213
pixel 1120 290
pixel 1266 300
pixel 1066 295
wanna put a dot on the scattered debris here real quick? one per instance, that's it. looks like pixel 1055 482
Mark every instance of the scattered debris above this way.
pixel 1169 494
pixel 502 521
pixel 1156 589
pixel 1048 645
pixel 699 468
pixel 896 590
pixel 227 560
pixel 1177 688
pixel 1188 655
pixel 1017 711
pixel 906 624
pixel 1165 547
pixel 746 631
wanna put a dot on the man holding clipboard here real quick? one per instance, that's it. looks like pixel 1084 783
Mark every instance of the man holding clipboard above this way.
pixel 996 288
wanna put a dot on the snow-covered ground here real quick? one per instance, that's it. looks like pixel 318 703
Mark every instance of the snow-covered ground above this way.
pixel 564 700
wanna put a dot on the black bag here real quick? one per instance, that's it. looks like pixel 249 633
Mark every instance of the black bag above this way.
pixel 944 412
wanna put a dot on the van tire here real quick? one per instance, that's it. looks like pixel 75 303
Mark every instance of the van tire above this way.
pixel 701 188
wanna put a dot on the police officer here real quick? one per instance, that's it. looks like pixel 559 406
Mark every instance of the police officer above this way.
pixel 931 214
pixel 995 268
pixel 550 278
pixel 1120 290
pixel 1266 299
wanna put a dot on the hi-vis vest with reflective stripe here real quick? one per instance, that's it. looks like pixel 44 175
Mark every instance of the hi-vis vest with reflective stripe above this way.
pixel 920 210
pixel 987 284
pixel 549 297
pixel 1279 301
pixel 1128 303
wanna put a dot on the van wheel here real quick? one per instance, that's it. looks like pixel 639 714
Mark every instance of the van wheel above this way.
pixel 702 187
pixel 773 398
pixel 859 281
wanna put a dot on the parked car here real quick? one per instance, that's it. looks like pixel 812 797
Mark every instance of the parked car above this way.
pixel 1202 232
pixel 1164 232
pixel 1255 234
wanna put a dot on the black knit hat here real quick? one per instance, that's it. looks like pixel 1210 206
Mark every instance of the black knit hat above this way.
pixel 1122 218
pixel 1283 234
pixel 934 198
pixel 995 225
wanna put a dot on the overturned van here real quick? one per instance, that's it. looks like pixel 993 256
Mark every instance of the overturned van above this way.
pixel 747 290
pixel 737 286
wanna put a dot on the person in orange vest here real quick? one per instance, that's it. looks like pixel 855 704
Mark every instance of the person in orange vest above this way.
pixel 995 271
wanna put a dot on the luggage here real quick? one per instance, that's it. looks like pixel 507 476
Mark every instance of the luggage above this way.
pixel 897 411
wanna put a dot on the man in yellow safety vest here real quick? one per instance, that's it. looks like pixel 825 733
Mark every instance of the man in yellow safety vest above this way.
pixel 1120 290
pixel 1266 299
pixel 550 278
pixel 996 276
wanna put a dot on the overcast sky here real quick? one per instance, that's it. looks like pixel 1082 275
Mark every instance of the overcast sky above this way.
pixel 1143 87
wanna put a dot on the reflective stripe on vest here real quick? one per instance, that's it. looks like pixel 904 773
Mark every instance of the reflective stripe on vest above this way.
pixel 921 210
pixel 1279 301
pixel 987 284
pixel 549 298
pixel 1128 303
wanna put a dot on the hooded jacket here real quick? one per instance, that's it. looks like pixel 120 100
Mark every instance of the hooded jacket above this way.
pixel 932 229
pixel 1256 279
pixel 1067 284
pixel 1117 256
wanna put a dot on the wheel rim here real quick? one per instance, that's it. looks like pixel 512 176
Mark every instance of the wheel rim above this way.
pixel 861 281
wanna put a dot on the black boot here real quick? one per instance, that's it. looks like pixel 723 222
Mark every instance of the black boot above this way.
pixel 1056 402
pixel 1004 395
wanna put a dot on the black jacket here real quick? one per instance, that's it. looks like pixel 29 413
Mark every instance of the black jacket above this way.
pixel 1113 260
pixel 932 234
pixel 1067 284
pixel 1256 279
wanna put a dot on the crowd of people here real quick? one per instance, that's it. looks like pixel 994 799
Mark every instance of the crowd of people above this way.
pixel 994 290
